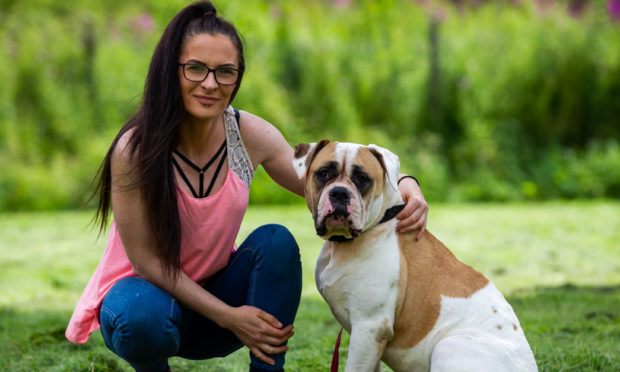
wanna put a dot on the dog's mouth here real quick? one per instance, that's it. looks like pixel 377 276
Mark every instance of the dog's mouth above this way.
pixel 337 219
pixel 336 226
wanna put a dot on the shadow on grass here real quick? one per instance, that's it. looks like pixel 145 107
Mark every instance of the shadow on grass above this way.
pixel 570 328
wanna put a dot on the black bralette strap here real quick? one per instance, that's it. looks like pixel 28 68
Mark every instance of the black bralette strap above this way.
pixel 201 171
pixel 217 172
pixel 189 184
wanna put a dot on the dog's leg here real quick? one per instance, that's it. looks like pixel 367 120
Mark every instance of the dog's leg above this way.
pixel 368 340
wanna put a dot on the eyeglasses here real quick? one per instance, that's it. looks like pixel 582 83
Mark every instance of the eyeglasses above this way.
pixel 199 73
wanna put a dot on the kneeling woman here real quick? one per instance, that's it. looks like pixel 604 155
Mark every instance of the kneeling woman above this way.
pixel 171 281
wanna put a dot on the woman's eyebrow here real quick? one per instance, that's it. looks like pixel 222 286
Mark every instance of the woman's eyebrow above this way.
pixel 197 62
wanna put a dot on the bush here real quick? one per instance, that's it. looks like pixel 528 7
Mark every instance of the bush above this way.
pixel 500 101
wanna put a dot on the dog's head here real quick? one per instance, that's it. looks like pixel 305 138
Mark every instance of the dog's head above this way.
pixel 348 187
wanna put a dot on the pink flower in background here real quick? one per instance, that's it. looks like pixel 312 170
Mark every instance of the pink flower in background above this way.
pixel 145 22
pixel 613 7
pixel 342 3
pixel 141 25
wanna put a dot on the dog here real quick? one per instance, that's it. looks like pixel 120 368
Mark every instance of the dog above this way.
pixel 411 304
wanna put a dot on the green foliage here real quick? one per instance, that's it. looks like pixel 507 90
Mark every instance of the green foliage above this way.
pixel 500 101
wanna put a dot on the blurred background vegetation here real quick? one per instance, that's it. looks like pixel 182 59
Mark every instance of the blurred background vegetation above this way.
pixel 482 100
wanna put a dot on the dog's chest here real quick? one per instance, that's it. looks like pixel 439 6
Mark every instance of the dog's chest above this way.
pixel 359 282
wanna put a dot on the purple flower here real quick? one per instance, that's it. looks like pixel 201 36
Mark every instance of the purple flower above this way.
pixel 613 7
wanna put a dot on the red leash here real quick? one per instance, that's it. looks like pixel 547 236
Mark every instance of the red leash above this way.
pixel 335 356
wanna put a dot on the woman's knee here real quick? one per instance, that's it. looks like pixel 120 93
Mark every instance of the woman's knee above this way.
pixel 277 244
pixel 139 321
pixel 278 258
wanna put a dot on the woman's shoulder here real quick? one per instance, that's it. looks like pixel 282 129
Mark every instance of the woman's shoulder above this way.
pixel 123 148
pixel 253 123
pixel 262 140
pixel 256 131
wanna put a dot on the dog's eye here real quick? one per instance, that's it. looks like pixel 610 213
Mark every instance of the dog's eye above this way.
pixel 360 179
pixel 323 175
pixel 326 172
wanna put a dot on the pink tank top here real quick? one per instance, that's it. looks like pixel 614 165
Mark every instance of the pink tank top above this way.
pixel 209 227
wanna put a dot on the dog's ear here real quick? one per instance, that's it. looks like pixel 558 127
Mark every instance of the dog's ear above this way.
pixel 304 153
pixel 390 163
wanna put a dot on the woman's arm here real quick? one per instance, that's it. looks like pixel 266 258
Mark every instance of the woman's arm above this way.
pixel 258 330
pixel 267 147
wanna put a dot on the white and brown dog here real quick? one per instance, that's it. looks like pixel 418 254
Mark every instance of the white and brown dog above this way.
pixel 408 303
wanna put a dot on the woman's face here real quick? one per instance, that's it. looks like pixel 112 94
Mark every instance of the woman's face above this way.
pixel 207 99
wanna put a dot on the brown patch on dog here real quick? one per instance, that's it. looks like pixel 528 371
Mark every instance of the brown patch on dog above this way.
pixel 301 149
pixel 514 326
pixel 319 146
pixel 323 151
pixel 499 327
pixel 365 156
pixel 379 157
pixel 431 271
pixel 302 155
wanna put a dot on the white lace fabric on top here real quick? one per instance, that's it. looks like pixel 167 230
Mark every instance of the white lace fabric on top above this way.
pixel 238 157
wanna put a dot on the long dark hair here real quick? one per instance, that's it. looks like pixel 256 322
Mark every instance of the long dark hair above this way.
pixel 155 130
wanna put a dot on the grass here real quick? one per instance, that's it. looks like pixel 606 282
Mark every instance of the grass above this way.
pixel 558 264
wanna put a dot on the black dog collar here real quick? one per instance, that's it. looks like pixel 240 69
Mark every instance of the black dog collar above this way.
pixel 392 212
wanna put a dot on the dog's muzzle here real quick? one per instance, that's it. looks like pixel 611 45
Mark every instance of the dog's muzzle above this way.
pixel 340 199
pixel 336 224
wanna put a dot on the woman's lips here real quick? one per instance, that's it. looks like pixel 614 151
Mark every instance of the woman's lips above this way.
pixel 206 100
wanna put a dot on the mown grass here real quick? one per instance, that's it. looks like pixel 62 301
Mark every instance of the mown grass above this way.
pixel 558 264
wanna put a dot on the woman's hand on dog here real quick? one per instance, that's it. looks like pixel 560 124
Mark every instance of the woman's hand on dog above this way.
pixel 413 216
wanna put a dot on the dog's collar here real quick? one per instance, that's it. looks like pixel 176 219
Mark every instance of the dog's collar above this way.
pixel 388 215
pixel 391 213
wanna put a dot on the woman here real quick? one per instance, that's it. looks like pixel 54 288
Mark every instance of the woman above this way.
pixel 171 281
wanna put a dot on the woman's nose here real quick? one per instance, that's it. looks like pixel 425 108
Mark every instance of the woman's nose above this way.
pixel 210 82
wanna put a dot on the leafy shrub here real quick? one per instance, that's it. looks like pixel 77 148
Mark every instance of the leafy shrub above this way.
pixel 500 101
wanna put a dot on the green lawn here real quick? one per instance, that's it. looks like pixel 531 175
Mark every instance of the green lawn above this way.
pixel 558 264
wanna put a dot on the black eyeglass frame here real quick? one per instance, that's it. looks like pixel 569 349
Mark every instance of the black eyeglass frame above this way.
pixel 209 70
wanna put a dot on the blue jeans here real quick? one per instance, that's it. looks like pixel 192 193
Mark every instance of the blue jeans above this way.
pixel 145 325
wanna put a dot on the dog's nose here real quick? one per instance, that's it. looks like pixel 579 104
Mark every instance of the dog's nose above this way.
pixel 339 195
